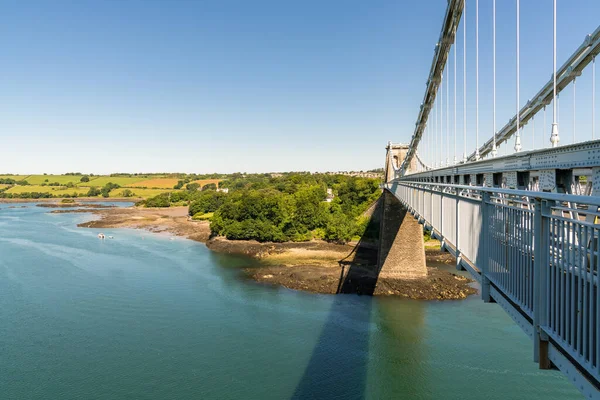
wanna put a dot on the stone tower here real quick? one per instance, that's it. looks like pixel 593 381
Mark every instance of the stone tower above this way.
pixel 395 154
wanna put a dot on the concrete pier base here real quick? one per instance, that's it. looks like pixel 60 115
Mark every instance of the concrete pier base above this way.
pixel 401 251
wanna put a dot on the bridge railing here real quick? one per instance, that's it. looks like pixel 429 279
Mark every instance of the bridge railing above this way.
pixel 535 253
pixel 570 283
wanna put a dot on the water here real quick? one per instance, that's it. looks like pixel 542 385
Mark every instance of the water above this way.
pixel 145 317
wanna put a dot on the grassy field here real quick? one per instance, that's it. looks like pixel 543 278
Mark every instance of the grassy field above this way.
pixel 15 177
pixel 162 183
pixel 38 179
pixel 140 193
pixel 99 181
pixel 55 190
pixel 62 191
pixel 30 188
pixel 142 186
pixel 62 179
pixel 168 183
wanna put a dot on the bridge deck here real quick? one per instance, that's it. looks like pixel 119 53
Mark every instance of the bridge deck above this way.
pixel 536 254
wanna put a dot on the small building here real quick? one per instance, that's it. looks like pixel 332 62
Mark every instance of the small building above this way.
pixel 223 190
pixel 330 196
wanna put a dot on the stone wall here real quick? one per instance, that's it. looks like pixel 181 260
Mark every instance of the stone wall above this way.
pixel 401 251
pixel 395 154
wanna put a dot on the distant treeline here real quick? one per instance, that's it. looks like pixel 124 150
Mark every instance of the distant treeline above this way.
pixel 290 207
pixel 93 191
pixel 9 181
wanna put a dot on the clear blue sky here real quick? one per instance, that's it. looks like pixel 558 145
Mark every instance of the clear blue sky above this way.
pixel 264 85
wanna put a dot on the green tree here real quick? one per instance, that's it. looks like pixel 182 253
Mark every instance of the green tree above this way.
pixel 288 206
pixel 93 192
pixel 162 200
pixel 85 178
pixel 310 208
pixel 192 187
pixel 339 228
pixel 206 202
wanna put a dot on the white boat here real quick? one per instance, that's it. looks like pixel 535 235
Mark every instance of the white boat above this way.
pixel 101 236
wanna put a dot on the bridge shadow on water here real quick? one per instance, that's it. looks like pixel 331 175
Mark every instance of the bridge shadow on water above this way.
pixel 337 368
pixel 338 365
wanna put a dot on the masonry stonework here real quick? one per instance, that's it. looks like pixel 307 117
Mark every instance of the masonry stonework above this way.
pixel 395 154
pixel 401 252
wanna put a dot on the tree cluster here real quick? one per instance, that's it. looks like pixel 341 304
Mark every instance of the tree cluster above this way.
pixel 10 181
pixel 206 202
pixel 287 207
pixel 293 207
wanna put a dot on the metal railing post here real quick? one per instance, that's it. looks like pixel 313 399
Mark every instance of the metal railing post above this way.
pixel 537 268
pixel 443 237
pixel 458 255
pixel 540 284
pixel 422 204
pixel 484 248
pixel 431 208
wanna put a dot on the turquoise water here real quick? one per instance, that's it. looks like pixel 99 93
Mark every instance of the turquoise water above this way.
pixel 142 316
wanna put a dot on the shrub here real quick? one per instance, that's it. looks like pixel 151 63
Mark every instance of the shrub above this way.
pixel 162 200
pixel 93 192
pixel 192 187
pixel 206 202
pixel 202 216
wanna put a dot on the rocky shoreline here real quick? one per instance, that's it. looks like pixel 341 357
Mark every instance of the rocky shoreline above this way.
pixel 438 285
pixel 316 266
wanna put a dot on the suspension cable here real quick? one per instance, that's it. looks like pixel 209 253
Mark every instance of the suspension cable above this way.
pixel 533 132
pixel 442 120
pixel 544 127
pixel 448 116
pixel 494 148
pixel 439 121
pixel 477 80
pixel 429 134
pixel 435 131
pixel 465 83
pixel 593 98
pixel 454 100
pixel 426 141
pixel 518 133
pixel 554 138
pixel 574 93
pixel 441 110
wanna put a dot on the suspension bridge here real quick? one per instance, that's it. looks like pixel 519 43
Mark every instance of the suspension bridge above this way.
pixel 524 224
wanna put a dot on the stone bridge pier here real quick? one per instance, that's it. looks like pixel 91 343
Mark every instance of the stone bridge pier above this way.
pixel 401 247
